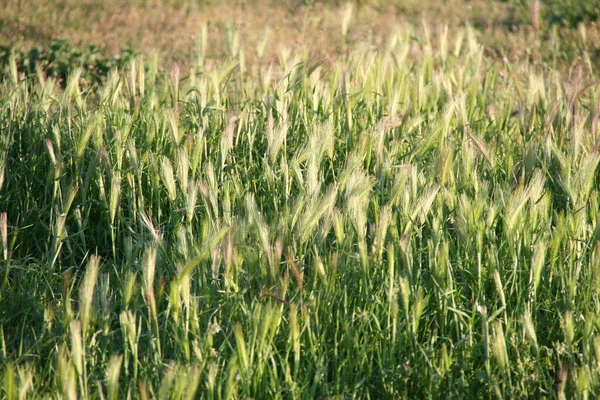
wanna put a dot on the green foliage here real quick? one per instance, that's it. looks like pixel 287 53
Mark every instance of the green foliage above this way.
pixel 571 12
pixel 61 59
pixel 566 13
pixel 409 222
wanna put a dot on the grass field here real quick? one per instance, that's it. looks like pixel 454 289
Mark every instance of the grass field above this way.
pixel 407 213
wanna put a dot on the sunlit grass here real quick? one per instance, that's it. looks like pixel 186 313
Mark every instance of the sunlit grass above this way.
pixel 390 226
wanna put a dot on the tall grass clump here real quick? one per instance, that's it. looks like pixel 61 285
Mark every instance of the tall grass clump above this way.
pixel 391 224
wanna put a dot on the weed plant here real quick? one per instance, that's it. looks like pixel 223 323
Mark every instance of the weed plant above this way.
pixel 60 59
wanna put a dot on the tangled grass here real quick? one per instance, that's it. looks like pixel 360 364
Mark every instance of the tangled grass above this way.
pixel 399 224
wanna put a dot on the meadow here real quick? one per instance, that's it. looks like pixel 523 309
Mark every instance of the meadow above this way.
pixel 412 219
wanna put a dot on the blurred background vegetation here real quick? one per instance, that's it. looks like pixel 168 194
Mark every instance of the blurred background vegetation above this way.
pixel 56 35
